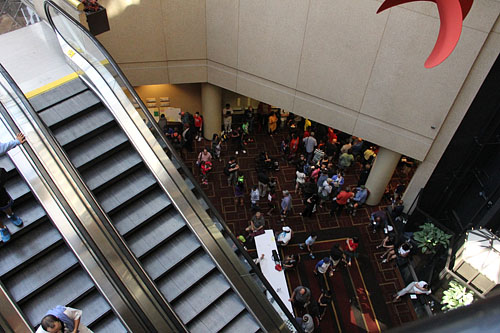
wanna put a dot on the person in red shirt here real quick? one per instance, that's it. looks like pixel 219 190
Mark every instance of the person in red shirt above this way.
pixel 294 144
pixel 350 251
pixel 332 137
pixel 198 123
pixel 340 201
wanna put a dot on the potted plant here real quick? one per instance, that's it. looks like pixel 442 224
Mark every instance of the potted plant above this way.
pixel 430 237
pixel 456 296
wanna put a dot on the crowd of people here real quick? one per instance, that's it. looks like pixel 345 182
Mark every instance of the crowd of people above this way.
pixel 321 157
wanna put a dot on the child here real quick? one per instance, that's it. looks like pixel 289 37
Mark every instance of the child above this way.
pixel 309 243
pixel 254 197
pixel 205 169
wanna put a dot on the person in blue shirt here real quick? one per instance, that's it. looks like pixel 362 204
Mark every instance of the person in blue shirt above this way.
pixel 6 201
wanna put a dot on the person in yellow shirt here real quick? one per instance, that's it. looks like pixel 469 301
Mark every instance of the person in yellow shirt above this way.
pixel 307 124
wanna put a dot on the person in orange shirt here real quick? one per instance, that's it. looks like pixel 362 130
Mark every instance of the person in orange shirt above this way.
pixel 272 123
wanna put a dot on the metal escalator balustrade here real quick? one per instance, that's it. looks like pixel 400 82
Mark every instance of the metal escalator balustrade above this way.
pixel 116 194
pixel 38 269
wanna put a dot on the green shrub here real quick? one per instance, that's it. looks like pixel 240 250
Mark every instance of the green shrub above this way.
pixel 430 237
pixel 456 296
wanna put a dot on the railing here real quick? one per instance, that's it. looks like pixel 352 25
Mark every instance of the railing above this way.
pixel 81 42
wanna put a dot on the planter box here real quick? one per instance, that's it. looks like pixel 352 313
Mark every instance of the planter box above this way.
pixel 97 21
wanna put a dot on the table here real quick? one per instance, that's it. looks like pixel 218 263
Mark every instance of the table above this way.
pixel 265 244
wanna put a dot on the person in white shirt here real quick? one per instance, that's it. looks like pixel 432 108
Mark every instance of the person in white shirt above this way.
pixel 309 243
pixel 284 237
pixel 419 288
pixel 62 319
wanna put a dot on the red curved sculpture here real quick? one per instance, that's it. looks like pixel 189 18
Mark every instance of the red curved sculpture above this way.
pixel 451 15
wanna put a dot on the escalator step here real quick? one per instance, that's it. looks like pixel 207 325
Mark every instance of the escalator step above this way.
pixel 20 250
pixel 169 255
pixel 222 312
pixel 30 212
pixel 99 145
pixel 110 324
pixel 114 166
pixel 64 291
pixel 244 322
pixel 17 188
pixel 201 296
pixel 155 232
pixel 78 130
pixel 34 276
pixel 69 108
pixel 126 189
pixel 141 209
pixel 94 307
pixel 58 94
pixel 185 275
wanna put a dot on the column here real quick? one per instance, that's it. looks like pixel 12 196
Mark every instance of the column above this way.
pixel 381 174
pixel 211 108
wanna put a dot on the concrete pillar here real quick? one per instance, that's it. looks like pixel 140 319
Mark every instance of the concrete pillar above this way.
pixel 211 108
pixel 381 174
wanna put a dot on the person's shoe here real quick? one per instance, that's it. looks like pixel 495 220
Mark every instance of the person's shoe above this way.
pixel 199 139
pixel 301 246
pixel 16 220
pixel 244 151
pixel 312 256
pixel 237 152
pixel 5 234
pixel 384 261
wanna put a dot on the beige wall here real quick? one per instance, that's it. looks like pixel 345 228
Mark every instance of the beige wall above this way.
pixel 334 61
pixel 158 41
pixel 184 96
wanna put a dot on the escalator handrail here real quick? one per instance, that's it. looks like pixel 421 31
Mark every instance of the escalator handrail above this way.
pixel 171 150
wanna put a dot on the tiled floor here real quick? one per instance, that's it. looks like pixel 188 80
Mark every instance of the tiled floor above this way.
pixel 387 278
pixel 15 15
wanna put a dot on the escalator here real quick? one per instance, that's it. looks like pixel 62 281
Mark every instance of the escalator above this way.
pixel 140 210
pixel 38 269
pixel 170 257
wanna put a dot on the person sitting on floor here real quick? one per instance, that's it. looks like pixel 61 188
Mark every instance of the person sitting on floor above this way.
pixel 284 237
pixel 291 261
pixel 418 288
pixel 403 252
pixel 256 223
